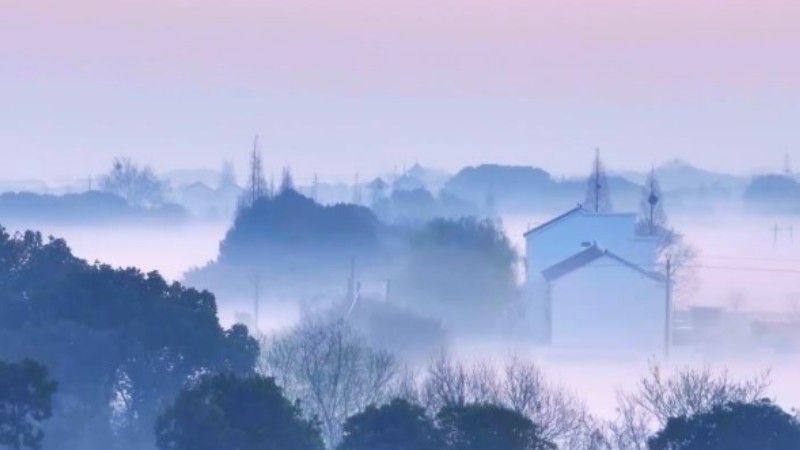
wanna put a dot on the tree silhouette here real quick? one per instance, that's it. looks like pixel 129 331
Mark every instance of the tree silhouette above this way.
pixel 652 218
pixel 225 412
pixel 398 425
pixel 287 181
pixel 735 426
pixel 489 427
pixel 256 186
pixel 598 196
pixel 121 343
pixel 461 271
pixel 26 392
pixel 138 185
pixel 652 222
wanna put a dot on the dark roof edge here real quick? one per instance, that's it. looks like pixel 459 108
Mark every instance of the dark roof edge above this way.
pixel 554 220
pixel 586 257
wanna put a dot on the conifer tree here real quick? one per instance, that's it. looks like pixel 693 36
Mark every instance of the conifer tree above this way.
pixel 598 196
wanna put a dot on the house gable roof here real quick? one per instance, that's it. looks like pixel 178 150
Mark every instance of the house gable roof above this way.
pixel 588 256
pixel 569 213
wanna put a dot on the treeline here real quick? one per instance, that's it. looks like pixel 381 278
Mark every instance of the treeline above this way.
pixel 93 207
pixel 320 387
pixel 120 344
pixel 459 271
pixel 125 360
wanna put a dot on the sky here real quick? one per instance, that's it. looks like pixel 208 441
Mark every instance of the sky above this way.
pixel 335 87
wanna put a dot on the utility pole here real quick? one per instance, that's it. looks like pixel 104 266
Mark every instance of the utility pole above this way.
pixel 89 183
pixel 668 311
pixel 775 230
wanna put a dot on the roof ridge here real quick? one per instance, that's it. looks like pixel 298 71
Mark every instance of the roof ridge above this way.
pixel 559 218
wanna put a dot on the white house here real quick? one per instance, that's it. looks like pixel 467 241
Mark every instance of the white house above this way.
pixel 592 282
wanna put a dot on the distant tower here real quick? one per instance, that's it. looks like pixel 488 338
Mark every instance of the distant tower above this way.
pixel 787 164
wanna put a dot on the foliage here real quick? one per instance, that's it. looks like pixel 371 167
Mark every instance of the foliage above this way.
pixel 26 393
pixel 489 427
pixel 290 232
pixel 398 425
pixel 733 426
pixel 121 343
pixel 138 185
pixel 225 412
pixel 460 271
pixel 331 370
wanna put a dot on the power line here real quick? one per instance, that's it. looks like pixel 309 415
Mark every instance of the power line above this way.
pixel 750 258
pixel 747 269
pixel 711 267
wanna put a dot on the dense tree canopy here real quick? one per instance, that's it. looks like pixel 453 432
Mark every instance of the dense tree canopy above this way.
pixel 398 425
pixel 489 427
pixel 298 247
pixel 460 271
pixel 282 230
pixel 26 393
pixel 120 343
pixel 226 412
pixel 734 426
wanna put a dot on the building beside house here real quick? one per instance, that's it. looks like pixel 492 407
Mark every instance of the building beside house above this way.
pixel 592 282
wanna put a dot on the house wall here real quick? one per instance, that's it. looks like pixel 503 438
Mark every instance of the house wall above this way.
pixel 608 305
pixel 562 239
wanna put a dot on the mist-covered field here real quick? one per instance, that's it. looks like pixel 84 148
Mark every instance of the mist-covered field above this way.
pixel 743 264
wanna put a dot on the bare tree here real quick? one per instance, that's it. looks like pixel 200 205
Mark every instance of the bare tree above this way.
pixel 331 371
pixel 517 385
pixel 687 392
pixel 138 185
pixel 445 384
pixel 562 417
pixel 256 186
pixel 598 195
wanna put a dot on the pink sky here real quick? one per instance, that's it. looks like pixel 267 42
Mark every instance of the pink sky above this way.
pixel 730 56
